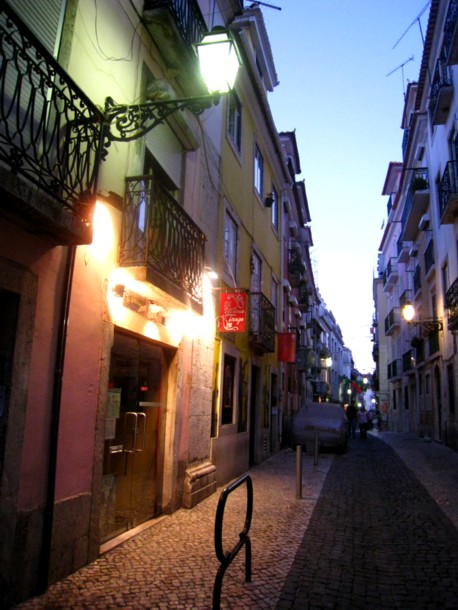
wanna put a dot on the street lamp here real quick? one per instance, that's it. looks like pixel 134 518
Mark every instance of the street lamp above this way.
pixel 219 62
pixel 429 325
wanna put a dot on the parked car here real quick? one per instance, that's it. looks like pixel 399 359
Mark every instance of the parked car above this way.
pixel 325 418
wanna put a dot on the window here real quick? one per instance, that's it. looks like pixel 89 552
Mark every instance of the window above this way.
pixel 235 121
pixel 445 280
pixel 427 384
pixel 258 171
pixel 228 394
pixel 451 388
pixel 274 295
pixel 274 208
pixel 230 246
pixel 256 272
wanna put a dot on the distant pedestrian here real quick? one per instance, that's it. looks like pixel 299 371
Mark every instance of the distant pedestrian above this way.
pixel 363 422
pixel 351 413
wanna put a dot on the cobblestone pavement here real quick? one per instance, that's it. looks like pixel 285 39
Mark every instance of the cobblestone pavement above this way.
pixel 366 534
pixel 173 563
pixel 377 538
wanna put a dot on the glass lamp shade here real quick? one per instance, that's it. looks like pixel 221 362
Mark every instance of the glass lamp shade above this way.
pixel 408 312
pixel 219 61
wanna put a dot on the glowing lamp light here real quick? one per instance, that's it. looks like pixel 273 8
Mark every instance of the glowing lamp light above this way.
pixel 408 312
pixel 219 61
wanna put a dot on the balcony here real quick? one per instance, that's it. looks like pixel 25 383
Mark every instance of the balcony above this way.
pixel 448 194
pixel 450 44
pixel 392 321
pixel 416 203
pixel 296 265
pixel 175 26
pixel 451 305
pixel 390 275
pixel 305 292
pixel 441 94
pixel 403 248
pixel 262 323
pixel 50 141
pixel 405 142
pixel 161 242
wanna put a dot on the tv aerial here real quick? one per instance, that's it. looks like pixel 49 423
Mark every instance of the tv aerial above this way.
pixel 401 67
pixel 253 4
pixel 417 19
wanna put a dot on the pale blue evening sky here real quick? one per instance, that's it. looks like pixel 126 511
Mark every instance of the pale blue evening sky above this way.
pixel 332 59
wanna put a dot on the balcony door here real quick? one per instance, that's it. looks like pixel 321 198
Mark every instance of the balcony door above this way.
pixel 136 401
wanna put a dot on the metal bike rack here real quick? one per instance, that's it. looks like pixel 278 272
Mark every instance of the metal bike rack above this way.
pixel 226 558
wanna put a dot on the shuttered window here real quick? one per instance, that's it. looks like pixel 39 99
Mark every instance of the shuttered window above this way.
pixel 44 18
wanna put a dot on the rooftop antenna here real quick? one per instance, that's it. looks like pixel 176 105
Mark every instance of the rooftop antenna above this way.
pixel 402 68
pixel 417 18
pixel 253 4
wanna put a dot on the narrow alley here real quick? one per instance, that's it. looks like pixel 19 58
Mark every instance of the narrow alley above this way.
pixel 375 528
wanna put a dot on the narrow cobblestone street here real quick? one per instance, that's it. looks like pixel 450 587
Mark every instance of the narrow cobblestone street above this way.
pixel 371 531
pixel 376 540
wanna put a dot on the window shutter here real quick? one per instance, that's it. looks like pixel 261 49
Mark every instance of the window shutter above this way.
pixel 44 18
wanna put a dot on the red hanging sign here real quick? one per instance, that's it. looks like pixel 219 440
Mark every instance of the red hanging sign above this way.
pixel 232 312
pixel 286 351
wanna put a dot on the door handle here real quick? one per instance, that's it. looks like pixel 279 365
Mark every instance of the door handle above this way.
pixel 130 431
pixel 134 432
pixel 140 432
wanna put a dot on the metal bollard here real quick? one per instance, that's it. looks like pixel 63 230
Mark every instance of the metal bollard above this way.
pixel 298 472
pixel 315 453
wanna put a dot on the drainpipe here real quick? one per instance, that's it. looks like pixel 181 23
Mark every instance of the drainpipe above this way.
pixel 48 514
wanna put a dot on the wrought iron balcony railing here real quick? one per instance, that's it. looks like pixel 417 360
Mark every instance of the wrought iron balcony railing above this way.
pixel 441 93
pixel 158 235
pixel 390 275
pixel 451 305
pixel 262 322
pixel 186 16
pixel 448 193
pixel 405 141
pixel 416 200
pixel 392 321
pixel 296 266
pixel 450 45
pixel 51 134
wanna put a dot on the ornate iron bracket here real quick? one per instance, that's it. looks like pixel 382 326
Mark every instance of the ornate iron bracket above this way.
pixel 130 122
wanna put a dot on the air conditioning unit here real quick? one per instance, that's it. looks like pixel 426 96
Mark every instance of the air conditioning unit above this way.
pixel 424 223
pixel 413 251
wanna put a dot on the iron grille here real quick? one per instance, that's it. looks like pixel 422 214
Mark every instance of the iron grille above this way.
pixel 51 133
pixel 451 304
pixel 158 234
pixel 262 322
pixel 448 185
pixel 186 15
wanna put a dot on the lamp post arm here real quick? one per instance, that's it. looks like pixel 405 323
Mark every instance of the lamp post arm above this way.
pixel 130 122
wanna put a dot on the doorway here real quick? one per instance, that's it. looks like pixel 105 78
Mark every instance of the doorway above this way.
pixel 255 377
pixel 133 440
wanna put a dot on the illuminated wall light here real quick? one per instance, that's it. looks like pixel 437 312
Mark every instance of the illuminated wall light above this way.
pixel 103 240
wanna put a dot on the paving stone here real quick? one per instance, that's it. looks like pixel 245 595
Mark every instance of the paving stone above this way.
pixel 376 528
